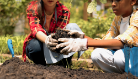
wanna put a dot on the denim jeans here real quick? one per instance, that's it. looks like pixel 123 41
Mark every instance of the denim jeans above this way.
pixel 34 51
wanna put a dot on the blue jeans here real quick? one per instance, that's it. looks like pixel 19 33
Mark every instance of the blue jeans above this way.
pixel 34 51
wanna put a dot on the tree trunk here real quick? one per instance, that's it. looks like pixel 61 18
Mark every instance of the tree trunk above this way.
pixel 85 15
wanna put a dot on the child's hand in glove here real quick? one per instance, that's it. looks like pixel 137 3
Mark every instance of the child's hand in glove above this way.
pixel 75 33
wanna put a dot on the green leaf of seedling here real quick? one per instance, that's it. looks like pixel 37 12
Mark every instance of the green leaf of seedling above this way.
pixel 103 1
pixel 85 1
pixel 92 6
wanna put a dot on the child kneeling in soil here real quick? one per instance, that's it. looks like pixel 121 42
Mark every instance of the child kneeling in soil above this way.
pixel 123 32
pixel 45 16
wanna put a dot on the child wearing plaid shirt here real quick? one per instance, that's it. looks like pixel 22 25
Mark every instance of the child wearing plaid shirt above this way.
pixel 122 33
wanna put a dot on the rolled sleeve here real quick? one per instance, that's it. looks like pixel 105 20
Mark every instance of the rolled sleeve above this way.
pixel 130 36
pixel 35 26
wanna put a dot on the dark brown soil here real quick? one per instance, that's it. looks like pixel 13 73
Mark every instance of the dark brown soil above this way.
pixel 60 34
pixel 17 69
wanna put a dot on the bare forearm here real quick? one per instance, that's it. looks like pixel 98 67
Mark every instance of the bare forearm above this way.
pixel 110 43
pixel 41 36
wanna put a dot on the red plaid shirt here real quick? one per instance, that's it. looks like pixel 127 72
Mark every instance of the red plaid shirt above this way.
pixel 63 17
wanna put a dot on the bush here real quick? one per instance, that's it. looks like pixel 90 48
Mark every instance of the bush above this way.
pixel 10 12
pixel 95 27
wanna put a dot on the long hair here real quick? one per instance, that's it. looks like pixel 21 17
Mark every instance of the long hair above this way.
pixel 40 6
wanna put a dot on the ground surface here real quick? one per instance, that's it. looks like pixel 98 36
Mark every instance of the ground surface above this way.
pixel 17 69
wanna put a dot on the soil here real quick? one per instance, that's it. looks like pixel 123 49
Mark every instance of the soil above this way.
pixel 60 33
pixel 15 68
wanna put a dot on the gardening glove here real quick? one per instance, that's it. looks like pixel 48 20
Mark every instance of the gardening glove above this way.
pixel 75 33
pixel 50 42
pixel 72 45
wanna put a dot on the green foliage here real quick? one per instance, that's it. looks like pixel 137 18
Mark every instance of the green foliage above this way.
pixel 10 11
pixel 85 1
pixel 95 27
pixel 17 42
pixel 93 4
pixel 85 55
pixel 103 1
pixel 79 64
pixel 4 58
pixel 75 7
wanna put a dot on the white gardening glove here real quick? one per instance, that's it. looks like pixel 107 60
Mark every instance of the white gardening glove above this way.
pixel 75 33
pixel 50 42
pixel 72 45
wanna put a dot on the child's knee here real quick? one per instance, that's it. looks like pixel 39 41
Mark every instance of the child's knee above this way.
pixel 119 60
pixel 95 55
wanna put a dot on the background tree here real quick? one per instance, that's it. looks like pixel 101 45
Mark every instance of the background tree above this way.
pixel 10 12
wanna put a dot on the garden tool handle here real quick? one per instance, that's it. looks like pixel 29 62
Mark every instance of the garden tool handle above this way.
pixel 10 46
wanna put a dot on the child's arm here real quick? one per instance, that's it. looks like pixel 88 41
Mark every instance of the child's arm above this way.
pixel 109 43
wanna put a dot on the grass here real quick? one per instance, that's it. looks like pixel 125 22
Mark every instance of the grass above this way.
pixel 79 64
pixel 17 42
pixel 4 58
pixel 85 55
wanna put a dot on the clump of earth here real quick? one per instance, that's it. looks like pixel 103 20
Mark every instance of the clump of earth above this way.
pixel 60 33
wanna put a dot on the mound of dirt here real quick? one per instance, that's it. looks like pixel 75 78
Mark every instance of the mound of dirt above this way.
pixel 17 69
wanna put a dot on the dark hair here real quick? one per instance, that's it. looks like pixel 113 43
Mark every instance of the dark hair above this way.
pixel 39 9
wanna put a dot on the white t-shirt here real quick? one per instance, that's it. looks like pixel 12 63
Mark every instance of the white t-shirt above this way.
pixel 124 24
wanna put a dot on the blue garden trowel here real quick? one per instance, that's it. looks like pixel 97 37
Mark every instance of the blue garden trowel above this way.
pixel 10 46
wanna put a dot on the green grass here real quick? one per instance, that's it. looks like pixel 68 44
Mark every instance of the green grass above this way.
pixel 17 42
pixel 4 58
pixel 85 55
pixel 79 64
